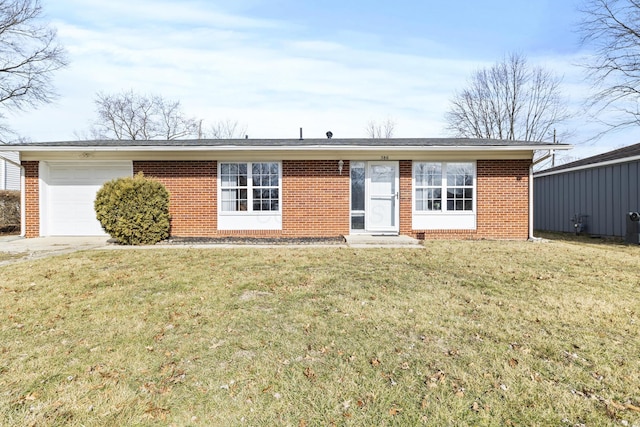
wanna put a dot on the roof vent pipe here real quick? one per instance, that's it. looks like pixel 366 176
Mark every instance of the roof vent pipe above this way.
pixel 300 134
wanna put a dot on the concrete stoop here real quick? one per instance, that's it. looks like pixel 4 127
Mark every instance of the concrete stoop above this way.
pixel 381 241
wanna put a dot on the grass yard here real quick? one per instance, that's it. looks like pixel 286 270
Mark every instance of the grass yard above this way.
pixel 7 256
pixel 460 333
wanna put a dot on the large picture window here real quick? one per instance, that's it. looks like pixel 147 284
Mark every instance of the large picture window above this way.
pixel 250 187
pixel 443 187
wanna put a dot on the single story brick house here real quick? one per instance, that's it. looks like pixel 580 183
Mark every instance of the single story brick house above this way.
pixel 424 187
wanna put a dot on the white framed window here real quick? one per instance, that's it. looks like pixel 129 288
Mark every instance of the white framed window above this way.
pixel 444 195
pixel 250 196
pixel 250 187
pixel 459 183
pixel 443 187
pixel 428 186
pixel 234 187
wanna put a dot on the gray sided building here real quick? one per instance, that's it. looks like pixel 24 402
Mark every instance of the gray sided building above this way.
pixel 601 190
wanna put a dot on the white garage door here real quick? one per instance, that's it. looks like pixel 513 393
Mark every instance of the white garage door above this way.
pixel 71 189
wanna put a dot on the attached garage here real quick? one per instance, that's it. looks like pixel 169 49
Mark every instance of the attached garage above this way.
pixel 67 193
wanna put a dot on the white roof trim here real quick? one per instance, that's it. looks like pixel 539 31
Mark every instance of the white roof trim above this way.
pixel 589 166
pixel 183 148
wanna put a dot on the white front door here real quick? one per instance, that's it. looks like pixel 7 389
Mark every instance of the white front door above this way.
pixel 383 197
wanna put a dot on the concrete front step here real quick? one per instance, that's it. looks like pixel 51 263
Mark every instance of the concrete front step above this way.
pixel 372 241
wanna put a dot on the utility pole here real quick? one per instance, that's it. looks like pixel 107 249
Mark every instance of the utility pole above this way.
pixel 553 154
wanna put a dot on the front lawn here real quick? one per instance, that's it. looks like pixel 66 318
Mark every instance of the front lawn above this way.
pixel 9 256
pixel 459 333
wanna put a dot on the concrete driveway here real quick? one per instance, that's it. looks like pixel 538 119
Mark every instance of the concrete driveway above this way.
pixel 19 248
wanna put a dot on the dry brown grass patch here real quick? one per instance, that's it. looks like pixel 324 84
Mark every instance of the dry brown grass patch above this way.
pixel 460 333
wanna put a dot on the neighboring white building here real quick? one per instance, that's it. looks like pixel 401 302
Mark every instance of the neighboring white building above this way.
pixel 9 173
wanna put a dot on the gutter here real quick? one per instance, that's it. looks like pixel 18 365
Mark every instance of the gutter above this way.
pixel 183 148
pixel 23 212
pixel 541 159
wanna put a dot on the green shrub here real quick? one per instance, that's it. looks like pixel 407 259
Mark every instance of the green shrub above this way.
pixel 134 210
pixel 9 209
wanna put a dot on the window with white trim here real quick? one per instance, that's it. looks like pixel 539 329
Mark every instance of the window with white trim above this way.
pixel 459 182
pixel 443 187
pixel 250 187
pixel 428 186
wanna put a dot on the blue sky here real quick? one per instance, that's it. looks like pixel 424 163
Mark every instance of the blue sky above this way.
pixel 279 65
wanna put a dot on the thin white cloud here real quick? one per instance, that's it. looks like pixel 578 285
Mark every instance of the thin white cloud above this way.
pixel 120 13
pixel 215 71
pixel 271 75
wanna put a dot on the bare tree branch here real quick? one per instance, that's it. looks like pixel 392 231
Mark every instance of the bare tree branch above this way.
pixel 612 29
pixel 383 129
pixel 175 124
pixel 128 115
pixel 509 101
pixel 226 129
pixel 29 54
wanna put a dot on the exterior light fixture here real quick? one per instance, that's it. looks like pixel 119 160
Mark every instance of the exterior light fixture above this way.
pixel 340 166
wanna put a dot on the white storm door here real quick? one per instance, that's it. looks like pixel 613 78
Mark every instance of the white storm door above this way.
pixel 383 207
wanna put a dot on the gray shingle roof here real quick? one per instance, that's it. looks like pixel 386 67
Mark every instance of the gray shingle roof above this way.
pixel 620 153
pixel 335 142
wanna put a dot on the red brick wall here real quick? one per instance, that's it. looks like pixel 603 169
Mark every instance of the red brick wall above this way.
pixel 192 189
pixel 502 202
pixel 32 199
pixel 308 208
pixel 406 197
pixel 503 199
pixel 315 198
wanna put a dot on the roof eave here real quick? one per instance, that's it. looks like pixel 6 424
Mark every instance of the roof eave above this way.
pixel 183 148
pixel 587 166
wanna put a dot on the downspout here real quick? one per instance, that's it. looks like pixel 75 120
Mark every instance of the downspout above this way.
pixel 541 159
pixel 23 212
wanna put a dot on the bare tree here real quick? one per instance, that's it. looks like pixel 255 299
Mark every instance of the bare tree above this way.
pixel 129 115
pixel 226 129
pixel 29 54
pixel 174 123
pixel 383 129
pixel 510 100
pixel 612 28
